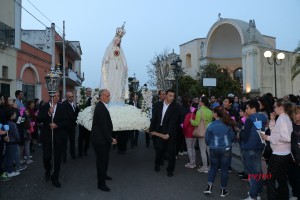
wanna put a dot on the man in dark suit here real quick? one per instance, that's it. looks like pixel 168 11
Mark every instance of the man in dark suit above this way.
pixel 72 113
pixel 134 135
pixel 58 125
pixel 165 117
pixel 101 136
pixel 84 134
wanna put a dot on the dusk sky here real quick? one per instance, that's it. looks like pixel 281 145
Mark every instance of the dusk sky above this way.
pixel 156 25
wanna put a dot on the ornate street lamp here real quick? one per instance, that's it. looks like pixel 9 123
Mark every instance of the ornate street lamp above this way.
pixel 135 84
pixel 177 71
pixel 280 56
pixel 53 79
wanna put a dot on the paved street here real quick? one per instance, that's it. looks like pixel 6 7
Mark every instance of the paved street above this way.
pixel 133 176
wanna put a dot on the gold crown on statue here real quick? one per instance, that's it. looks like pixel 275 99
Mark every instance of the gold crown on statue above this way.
pixel 120 32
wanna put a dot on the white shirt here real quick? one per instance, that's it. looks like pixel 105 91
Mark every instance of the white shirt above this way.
pixel 54 109
pixel 106 105
pixel 72 104
pixel 165 107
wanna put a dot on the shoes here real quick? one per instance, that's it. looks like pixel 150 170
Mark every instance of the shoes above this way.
pixel 208 189
pixel 25 157
pixel 170 174
pixel 189 165
pixel 202 169
pixel 73 157
pixel 224 193
pixel 108 178
pixel 241 174
pixel 157 168
pixel 21 167
pixel 180 153
pixel 12 174
pixel 185 153
pixel 104 188
pixel 4 177
pixel 55 182
pixel 29 162
pixel 47 176
pixel 293 198
pixel 257 198
pixel 230 169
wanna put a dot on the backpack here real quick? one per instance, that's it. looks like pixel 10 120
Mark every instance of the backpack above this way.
pixel 295 146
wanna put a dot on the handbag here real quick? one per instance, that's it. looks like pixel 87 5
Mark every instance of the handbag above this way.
pixel 199 131
pixel 267 150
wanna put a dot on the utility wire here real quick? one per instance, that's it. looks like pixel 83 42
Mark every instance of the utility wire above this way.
pixel 33 15
pixel 43 14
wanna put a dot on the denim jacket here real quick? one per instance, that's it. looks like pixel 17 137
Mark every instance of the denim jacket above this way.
pixel 249 136
pixel 219 135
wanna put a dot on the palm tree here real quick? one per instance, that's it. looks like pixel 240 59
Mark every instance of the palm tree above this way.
pixel 296 66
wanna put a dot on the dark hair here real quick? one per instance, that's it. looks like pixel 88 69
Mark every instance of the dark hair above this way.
pixel 222 113
pixel 287 106
pixel 170 90
pixel 230 99
pixel 17 93
pixel 9 112
pixel 253 104
pixel 30 102
pixel 160 91
pixel 267 107
pixel 204 100
pixel 186 101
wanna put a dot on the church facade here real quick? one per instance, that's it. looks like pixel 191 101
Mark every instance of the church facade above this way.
pixel 239 47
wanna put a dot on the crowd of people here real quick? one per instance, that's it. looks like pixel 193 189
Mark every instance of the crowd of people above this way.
pixel 265 128
pixel 25 125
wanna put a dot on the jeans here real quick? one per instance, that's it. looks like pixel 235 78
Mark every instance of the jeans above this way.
pixel 252 165
pixel 219 157
pixel 11 154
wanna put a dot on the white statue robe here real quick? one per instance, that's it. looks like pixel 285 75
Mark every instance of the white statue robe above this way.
pixel 114 73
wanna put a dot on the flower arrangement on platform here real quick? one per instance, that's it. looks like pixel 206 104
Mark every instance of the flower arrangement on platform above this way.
pixel 125 117
pixel 146 101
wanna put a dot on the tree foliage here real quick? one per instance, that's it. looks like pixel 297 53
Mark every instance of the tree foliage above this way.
pixel 225 84
pixel 159 69
pixel 296 66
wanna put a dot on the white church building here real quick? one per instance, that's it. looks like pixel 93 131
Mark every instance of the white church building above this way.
pixel 239 47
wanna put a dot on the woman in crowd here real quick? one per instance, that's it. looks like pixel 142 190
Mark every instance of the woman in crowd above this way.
pixel 188 130
pixel 294 167
pixel 280 140
pixel 219 137
pixel 203 113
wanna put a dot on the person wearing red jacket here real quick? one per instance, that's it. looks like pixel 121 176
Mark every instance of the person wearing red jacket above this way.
pixel 188 130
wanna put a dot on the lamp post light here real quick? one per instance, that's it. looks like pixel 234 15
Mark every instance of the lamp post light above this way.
pixel 280 56
pixel 177 71
pixel 53 79
pixel 135 84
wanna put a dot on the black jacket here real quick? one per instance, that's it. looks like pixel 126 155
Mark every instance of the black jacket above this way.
pixel 72 115
pixel 102 127
pixel 170 120
pixel 60 119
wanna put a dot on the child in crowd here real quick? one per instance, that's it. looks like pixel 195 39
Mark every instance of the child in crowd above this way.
pixel 188 130
pixel 12 146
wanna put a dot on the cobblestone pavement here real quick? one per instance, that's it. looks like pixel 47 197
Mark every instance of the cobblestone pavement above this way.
pixel 133 176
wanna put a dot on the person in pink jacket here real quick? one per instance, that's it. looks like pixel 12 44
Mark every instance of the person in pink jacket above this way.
pixel 188 130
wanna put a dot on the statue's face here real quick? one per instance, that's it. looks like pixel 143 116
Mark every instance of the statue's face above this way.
pixel 117 41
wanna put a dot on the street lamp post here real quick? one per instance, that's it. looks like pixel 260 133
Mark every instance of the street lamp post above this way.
pixel 53 79
pixel 135 84
pixel 177 71
pixel 280 56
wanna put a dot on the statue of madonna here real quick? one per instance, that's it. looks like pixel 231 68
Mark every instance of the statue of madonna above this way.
pixel 114 69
